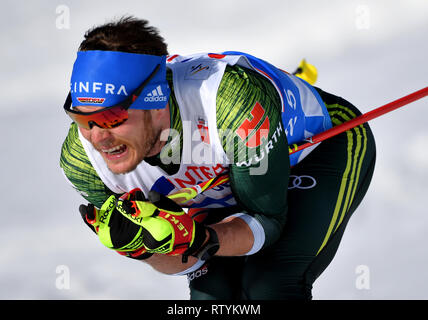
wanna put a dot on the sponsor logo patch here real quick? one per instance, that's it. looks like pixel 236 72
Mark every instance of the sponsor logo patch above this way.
pixel 91 100
pixel 253 131
pixel 199 71
pixel 203 130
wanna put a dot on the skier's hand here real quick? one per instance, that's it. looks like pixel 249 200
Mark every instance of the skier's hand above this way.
pixel 165 227
pixel 114 230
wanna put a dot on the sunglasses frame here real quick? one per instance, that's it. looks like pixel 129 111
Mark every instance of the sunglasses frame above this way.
pixel 123 105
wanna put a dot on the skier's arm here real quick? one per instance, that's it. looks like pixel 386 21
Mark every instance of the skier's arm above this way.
pixel 249 110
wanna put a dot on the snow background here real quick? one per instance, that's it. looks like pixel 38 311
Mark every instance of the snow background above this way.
pixel 369 52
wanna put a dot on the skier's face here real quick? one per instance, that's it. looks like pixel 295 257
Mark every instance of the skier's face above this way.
pixel 125 146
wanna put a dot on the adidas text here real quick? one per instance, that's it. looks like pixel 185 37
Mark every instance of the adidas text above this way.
pixel 154 99
pixel 155 96
pixel 197 273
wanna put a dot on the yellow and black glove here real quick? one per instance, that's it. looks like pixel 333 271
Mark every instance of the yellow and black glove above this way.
pixel 159 225
pixel 114 230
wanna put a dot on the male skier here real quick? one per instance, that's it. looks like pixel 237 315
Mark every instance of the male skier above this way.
pixel 154 133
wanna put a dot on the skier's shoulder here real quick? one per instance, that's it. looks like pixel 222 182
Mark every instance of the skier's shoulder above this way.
pixel 240 93
pixel 72 151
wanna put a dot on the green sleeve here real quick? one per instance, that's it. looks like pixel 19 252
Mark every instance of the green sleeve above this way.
pixel 79 171
pixel 250 127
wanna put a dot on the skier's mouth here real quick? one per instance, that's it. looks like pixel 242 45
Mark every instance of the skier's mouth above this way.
pixel 115 152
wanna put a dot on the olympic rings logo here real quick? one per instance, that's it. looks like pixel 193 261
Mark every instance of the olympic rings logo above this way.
pixel 301 182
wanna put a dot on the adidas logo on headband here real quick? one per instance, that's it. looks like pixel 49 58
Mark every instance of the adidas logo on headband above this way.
pixel 155 96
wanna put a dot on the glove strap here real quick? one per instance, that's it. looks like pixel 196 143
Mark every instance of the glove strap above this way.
pixel 140 254
pixel 208 250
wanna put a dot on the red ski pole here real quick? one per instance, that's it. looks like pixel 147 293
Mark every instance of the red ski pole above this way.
pixel 359 120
